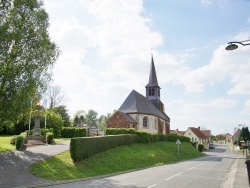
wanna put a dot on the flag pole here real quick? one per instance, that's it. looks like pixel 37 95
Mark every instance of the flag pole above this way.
pixel 30 115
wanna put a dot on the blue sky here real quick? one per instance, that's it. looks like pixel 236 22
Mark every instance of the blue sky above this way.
pixel 107 45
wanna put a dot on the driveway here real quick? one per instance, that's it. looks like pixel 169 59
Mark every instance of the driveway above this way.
pixel 14 165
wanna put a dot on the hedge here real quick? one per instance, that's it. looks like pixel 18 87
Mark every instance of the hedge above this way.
pixel 49 137
pixel 83 148
pixel 117 131
pixel 144 137
pixel 20 140
pixel 71 132
pixel 200 147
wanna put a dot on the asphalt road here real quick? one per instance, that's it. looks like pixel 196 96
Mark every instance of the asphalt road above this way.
pixel 212 170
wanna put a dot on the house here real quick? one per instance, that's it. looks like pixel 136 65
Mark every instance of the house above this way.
pixel 143 113
pixel 197 136
pixel 208 134
pixel 235 136
pixel 181 133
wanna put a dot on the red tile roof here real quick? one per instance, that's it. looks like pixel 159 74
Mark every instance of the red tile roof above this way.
pixel 198 132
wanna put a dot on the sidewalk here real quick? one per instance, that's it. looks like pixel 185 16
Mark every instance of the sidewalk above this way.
pixel 241 176
pixel 14 166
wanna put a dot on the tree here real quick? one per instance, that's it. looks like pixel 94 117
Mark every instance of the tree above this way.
pixel 55 95
pixel 64 114
pixel 76 121
pixel 26 56
pixel 102 121
pixel 55 121
pixel 91 118
pixel 244 135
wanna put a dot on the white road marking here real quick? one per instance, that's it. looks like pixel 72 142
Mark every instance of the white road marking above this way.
pixel 201 164
pixel 173 176
pixel 151 186
pixel 190 168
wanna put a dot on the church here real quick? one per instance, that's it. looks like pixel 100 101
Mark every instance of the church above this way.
pixel 143 113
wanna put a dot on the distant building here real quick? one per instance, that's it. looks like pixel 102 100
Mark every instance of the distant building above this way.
pixel 236 135
pixel 181 133
pixel 197 136
pixel 143 113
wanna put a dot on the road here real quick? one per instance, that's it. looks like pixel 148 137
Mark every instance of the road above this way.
pixel 213 170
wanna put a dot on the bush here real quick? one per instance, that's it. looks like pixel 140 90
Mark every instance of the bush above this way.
pixel 143 137
pixel 200 147
pixel 49 137
pixel 83 148
pixel 13 140
pixel 44 131
pixel 71 132
pixel 19 141
pixel 117 131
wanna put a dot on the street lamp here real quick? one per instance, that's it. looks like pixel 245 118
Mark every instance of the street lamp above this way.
pixel 233 45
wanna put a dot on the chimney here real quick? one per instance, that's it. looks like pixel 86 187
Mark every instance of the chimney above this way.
pixel 177 130
pixel 199 128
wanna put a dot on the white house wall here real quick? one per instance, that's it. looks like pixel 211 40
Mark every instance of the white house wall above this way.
pixel 152 123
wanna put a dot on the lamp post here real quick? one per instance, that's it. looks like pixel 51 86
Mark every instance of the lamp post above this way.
pixel 233 45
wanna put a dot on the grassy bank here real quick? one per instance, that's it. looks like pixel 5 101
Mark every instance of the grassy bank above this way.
pixel 61 167
pixel 5 144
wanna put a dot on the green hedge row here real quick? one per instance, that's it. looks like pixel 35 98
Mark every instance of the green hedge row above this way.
pixel 71 132
pixel 83 148
pixel 144 137
pixel 116 131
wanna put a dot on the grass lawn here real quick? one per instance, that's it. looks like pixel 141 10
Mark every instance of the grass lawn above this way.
pixel 5 144
pixel 61 167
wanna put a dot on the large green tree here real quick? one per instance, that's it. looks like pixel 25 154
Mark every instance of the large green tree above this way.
pixel 64 113
pixel 91 118
pixel 27 56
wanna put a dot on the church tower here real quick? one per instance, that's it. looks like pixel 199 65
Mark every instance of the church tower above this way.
pixel 153 92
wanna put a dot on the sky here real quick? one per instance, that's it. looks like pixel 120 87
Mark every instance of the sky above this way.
pixel 106 48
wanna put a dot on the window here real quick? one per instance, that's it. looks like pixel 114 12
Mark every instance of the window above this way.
pixel 155 123
pixel 159 93
pixel 145 121
pixel 153 92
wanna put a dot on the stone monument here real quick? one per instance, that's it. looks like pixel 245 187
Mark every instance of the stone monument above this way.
pixel 37 128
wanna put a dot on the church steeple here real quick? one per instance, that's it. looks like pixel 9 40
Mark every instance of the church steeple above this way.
pixel 152 81
pixel 153 89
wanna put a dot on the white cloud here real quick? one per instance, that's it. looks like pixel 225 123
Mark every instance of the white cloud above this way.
pixel 206 2
pixel 247 108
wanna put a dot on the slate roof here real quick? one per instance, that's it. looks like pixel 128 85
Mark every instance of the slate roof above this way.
pixel 137 103
pixel 198 132
pixel 152 81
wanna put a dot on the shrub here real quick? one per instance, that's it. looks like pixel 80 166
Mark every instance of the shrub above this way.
pixel 30 133
pixel 44 131
pixel 71 132
pixel 143 137
pixel 117 131
pixel 200 147
pixel 83 148
pixel 19 142
pixel 49 137
pixel 13 140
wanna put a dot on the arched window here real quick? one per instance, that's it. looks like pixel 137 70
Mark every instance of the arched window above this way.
pixel 156 124
pixel 145 121
pixel 149 92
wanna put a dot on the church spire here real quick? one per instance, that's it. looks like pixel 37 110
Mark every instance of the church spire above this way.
pixel 152 81
pixel 153 89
